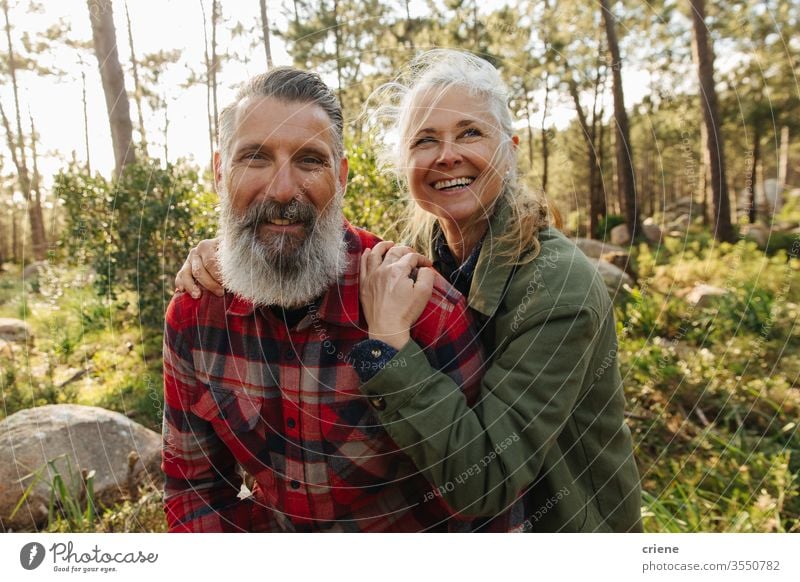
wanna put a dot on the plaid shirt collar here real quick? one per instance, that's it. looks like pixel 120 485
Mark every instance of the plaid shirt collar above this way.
pixel 339 305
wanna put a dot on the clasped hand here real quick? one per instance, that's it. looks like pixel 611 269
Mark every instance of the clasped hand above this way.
pixel 391 299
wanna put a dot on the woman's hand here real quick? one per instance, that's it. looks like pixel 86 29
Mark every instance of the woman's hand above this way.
pixel 201 268
pixel 392 301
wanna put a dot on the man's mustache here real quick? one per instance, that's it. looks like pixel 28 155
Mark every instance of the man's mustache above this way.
pixel 268 210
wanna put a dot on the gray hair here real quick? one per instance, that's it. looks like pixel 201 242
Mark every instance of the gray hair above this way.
pixel 441 69
pixel 291 86
pixel 438 68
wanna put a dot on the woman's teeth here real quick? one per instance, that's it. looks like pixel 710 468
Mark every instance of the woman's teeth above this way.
pixel 444 184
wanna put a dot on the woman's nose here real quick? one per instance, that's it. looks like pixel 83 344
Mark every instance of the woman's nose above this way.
pixel 448 154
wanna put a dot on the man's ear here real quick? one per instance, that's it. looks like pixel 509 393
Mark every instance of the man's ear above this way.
pixel 217 170
pixel 343 169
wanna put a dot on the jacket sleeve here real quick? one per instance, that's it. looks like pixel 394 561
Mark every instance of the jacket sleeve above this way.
pixel 481 458
pixel 202 485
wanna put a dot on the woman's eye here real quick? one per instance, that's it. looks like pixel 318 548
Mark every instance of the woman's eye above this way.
pixel 472 132
pixel 422 141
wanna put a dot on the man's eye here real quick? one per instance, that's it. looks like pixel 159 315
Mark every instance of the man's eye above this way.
pixel 251 156
pixel 312 160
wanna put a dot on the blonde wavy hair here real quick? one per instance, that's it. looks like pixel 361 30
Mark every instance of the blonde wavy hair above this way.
pixel 389 110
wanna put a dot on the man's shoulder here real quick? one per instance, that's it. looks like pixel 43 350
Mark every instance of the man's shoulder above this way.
pixel 365 238
pixel 184 311
pixel 445 313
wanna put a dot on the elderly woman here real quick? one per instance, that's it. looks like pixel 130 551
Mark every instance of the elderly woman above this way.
pixel 545 446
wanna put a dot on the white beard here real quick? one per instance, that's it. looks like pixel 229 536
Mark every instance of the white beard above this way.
pixel 281 271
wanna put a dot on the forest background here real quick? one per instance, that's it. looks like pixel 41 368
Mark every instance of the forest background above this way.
pixel 675 118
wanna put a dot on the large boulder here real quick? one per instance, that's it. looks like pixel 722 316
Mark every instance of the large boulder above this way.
pixel 122 453
pixel 619 234
pixel 15 330
pixel 613 277
pixel 595 249
pixel 32 271
pixel 757 233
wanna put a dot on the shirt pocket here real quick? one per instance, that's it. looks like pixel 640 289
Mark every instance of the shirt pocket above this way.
pixel 229 408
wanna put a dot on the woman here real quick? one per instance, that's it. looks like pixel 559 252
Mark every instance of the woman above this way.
pixel 545 446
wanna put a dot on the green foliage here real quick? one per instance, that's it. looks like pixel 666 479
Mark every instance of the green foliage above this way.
pixel 606 224
pixel 72 506
pixel 783 241
pixel 135 231
pixel 373 198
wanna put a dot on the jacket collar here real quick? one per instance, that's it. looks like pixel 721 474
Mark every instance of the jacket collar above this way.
pixel 339 305
pixel 491 271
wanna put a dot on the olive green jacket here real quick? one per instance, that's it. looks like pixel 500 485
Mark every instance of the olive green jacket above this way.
pixel 549 417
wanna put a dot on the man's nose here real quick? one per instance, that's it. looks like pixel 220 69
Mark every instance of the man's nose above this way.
pixel 282 188
pixel 449 154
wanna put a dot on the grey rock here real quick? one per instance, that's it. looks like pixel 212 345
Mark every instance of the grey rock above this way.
pixel 757 233
pixel 76 438
pixel 15 330
pixel 31 272
pixel 619 235
pixel 613 277
pixel 595 249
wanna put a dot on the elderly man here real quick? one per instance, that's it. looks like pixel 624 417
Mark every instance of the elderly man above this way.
pixel 261 377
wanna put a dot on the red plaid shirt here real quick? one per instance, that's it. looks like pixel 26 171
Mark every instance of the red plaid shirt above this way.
pixel 284 404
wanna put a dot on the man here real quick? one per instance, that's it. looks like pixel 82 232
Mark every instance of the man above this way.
pixel 261 377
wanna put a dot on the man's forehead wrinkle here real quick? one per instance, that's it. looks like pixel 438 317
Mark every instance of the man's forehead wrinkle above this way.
pixel 326 126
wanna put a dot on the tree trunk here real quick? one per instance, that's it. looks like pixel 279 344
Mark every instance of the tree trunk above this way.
pixel 750 180
pixel 530 127
pixel 783 162
pixel 597 145
pixel 337 48
pixel 545 147
pixel 36 188
pixel 215 16
pixel 137 89
pixel 704 59
pixel 704 174
pixel 18 155
pixel 117 105
pixel 86 123
pixel 209 108
pixel 625 177
pixel 166 131
pixel 265 32
pixel 589 140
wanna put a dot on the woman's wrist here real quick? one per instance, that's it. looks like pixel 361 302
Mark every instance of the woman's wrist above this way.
pixel 396 340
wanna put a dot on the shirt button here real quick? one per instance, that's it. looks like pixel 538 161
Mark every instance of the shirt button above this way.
pixel 290 423
pixel 376 352
pixel 377 402
pixel 294 484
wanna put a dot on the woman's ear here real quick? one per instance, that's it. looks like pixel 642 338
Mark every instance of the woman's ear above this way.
pixel 515 141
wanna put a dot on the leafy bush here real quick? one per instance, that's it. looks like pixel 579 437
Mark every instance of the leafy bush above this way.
pixel 134 232
pixel 373 197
